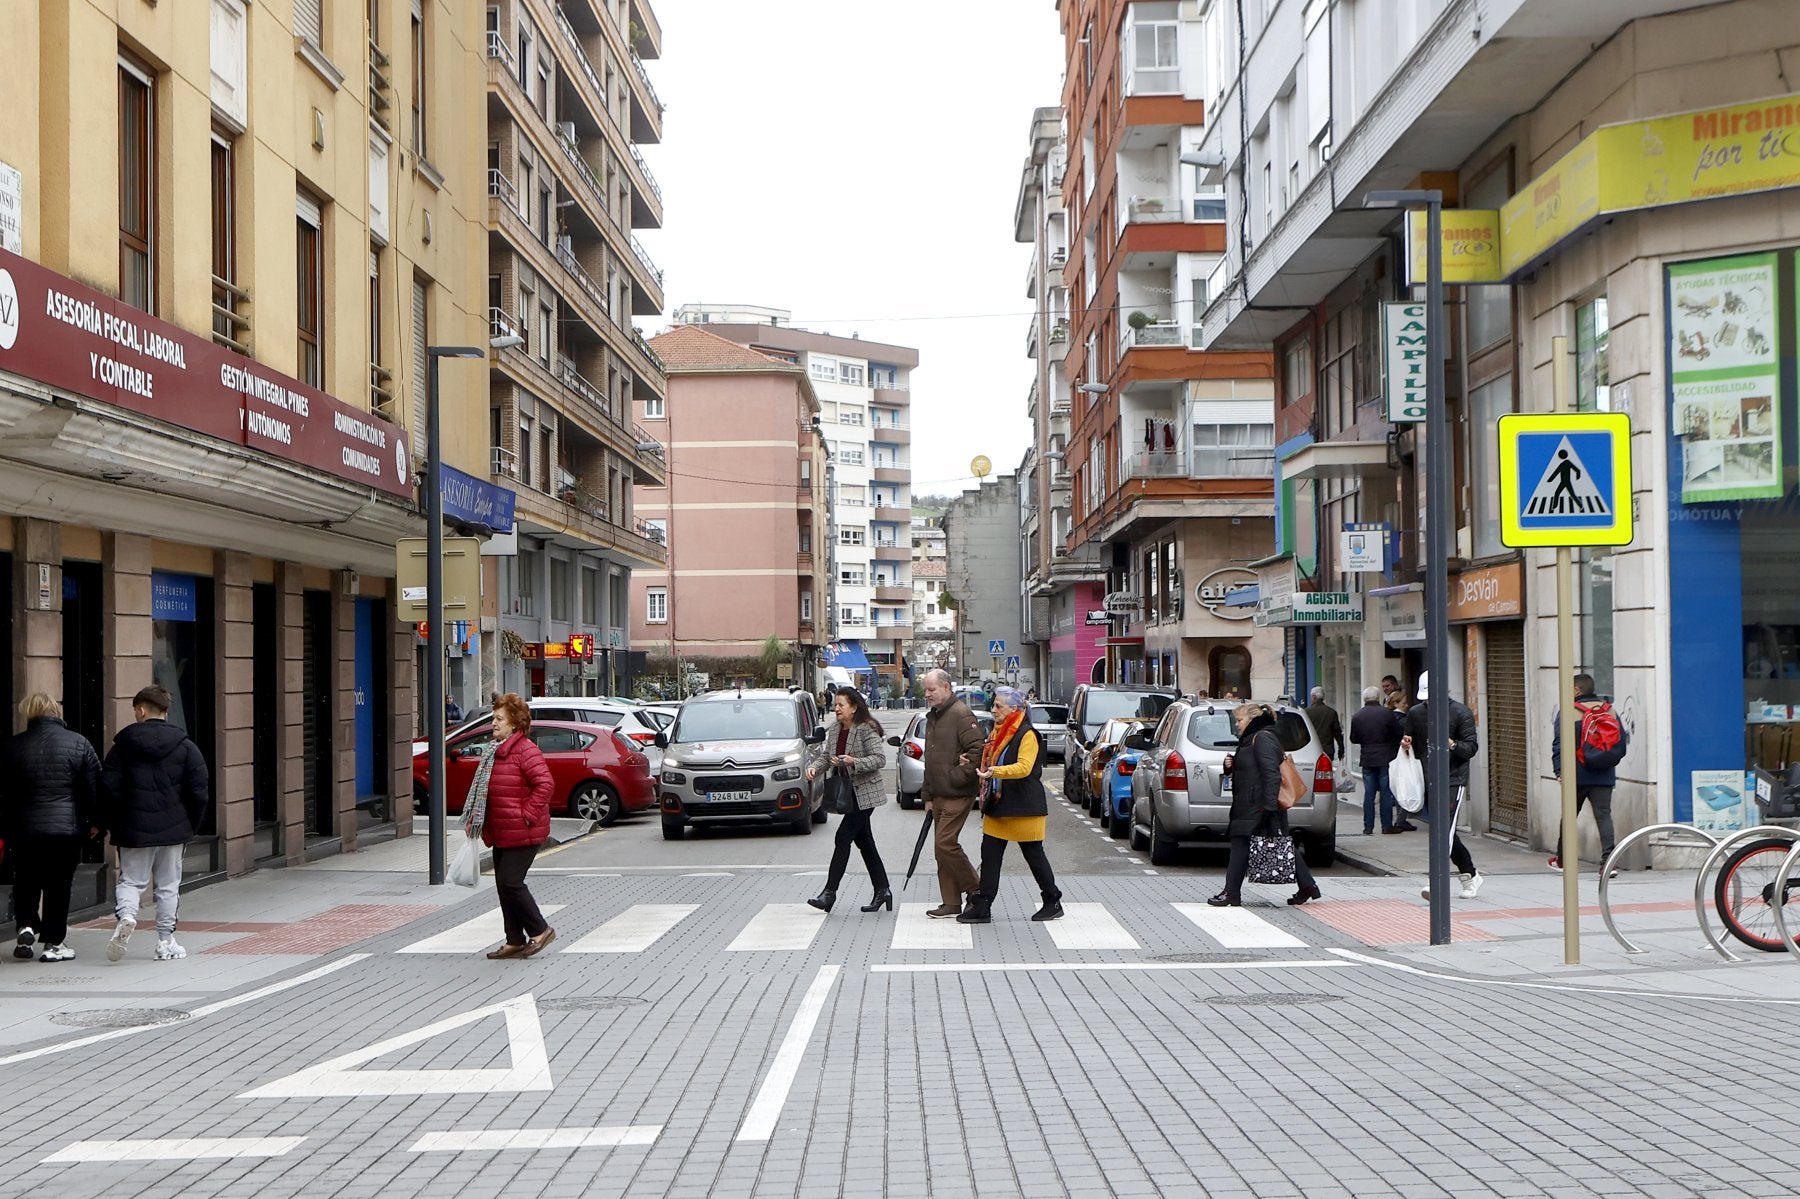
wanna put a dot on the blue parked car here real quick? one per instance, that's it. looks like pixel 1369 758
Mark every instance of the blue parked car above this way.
pixel 1111 763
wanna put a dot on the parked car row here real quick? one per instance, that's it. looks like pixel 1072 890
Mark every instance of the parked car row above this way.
pixel 909 763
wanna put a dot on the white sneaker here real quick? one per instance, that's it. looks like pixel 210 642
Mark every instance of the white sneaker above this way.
pixel 27 938
pixel 57 953
pixel 1472 885
pixel 115 948
pixel 167 950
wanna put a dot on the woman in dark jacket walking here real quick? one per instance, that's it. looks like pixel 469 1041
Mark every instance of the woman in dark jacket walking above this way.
pixel 48 809
pixel 1014 808
pixel 854 747
pixel 1255 803
pixel 509 806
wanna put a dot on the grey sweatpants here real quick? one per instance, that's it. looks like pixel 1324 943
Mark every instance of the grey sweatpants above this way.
pixel 136 866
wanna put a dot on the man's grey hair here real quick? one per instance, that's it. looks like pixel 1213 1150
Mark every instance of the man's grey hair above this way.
pixel 940 677
pixel 1371 695
pixel 1316 695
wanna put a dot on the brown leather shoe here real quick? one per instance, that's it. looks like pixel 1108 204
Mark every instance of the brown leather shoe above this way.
pixel 944 911
pixel 509 951
pixel 535 945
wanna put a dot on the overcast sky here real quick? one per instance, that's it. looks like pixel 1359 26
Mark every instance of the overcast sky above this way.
pixel 857 163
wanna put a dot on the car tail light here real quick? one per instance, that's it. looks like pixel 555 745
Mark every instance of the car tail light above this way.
pixel 1127 765
pixel 1323 782
pixel 913 750
pixel 642 738
pixel 1174 772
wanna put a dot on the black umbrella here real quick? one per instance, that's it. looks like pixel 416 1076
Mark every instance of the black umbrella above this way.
pixel 918 848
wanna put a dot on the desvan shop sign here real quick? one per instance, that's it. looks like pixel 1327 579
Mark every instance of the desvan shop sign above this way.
pixel 75 339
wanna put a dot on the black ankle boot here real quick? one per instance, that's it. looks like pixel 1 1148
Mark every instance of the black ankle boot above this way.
pixel 978 911
pixel 883 898
pixel 1052 909
pixel 823 900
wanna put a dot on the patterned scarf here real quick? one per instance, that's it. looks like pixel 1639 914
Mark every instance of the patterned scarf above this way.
pixel 475 807
pixel 1004 729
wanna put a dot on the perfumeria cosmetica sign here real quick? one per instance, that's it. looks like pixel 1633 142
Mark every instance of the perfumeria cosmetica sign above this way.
pixel 78 340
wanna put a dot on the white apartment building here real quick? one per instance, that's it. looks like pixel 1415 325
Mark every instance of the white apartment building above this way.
pixel 865 408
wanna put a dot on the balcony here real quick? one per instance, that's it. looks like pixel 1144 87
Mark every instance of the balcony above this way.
pixel 231 317
pixel 895 593
pixel 891 396
pixel 891 435
pixel 1152 210
pixel 1152 334
pixel 583 520
pixel 644 259
pixel 1155 464
pixel 505 463
pixel 805 496
pixel 893 474
pixel 803 561
pixel 889 515
pixel 381 392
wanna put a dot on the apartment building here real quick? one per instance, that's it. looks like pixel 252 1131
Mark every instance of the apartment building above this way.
pixel 1167 462
pixel 225 235
pixel 743 513
pixel 865 407
pixel 1678 211
pixel 981 533
pixel 571 409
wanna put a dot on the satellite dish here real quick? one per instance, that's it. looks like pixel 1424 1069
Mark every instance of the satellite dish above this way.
pixel 981 466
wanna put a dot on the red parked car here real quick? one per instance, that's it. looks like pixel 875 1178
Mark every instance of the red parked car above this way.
pixel 600 775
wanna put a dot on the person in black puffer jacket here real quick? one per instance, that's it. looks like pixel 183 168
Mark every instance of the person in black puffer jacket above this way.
pixel 50 808
pixel 156 788
pixel 1255 769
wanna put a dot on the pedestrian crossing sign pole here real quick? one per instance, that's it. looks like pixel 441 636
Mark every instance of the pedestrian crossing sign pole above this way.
pixel 1565 479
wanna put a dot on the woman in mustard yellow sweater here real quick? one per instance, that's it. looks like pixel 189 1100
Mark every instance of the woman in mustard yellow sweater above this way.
pixel 1014 808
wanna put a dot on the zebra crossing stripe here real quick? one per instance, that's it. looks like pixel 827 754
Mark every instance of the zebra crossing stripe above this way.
pixel 635 929
pixel 913 929
pixel 1088 926
pixel 780 926
pixel 471 936
pixel 1238 928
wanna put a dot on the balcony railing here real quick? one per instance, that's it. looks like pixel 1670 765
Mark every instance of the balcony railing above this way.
pixel 650 532
pixel 643 256
pixel 593 78
pixel 1059 258
pixel 501 188
pixel 649 179
pixel 498 50
pixel 646 443
pixel 1151 210
pixel 502 323
pixel 644 77
pixel 1156 333
pixel 1156 464
pixel 381 391
pixel 579 274
pixel 381 87
pixel 579 383
pixel 506 463
pixel 231 324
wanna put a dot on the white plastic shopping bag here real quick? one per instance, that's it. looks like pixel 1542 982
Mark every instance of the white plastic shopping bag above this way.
pixel 465 867
pixel 1406 779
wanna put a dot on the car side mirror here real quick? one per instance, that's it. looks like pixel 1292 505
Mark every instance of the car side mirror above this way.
pixel 662 740
pixel 895 742
pixel 816 737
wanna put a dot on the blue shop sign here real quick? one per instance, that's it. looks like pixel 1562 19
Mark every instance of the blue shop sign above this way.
pixel 476 501
pixel 174 597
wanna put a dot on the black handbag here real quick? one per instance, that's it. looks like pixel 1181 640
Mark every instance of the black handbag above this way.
pixel 840 792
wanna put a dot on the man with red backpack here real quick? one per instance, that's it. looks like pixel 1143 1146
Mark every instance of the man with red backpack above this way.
pixel 1600 743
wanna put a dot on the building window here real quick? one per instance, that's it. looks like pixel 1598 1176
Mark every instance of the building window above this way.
pixel 137 187
pixel 224 235
pixel 590 597
pixel 309 284
pixel 419 65
pixel 1154 66
pixel 806 601
pixel 850 416
pixel 1232 450
pixel 421 332
pixel 653 408
pixel 824 369
pixel 1593 393
pixel 381 392
pixel 309 21
pixel 1489 402
pixel 656 606
pixel 850 372
pixel 852 535
pixel 562 587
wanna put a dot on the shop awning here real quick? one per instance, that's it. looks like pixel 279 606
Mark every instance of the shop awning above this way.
pixel 849 655
pixel 1336 460
pixel 1243 597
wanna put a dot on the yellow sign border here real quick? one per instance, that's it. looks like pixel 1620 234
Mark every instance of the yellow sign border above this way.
pixel 1617 425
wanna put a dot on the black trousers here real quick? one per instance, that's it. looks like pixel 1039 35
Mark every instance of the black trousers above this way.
pixel 855 829
pixel 1460 857
pixel 518 909
pixel 43 873
pixel 1239 865
pixel 993 851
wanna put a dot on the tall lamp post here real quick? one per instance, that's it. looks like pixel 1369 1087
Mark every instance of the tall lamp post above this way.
pixel 434 589
pixel 1437 522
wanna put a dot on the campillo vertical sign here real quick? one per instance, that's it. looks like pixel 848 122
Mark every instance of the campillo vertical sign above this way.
pixel 1405 354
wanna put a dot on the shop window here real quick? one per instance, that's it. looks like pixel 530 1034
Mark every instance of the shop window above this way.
pixel 1594 582
pixel 1488 404
pixel 1489 308
pixel 1592 390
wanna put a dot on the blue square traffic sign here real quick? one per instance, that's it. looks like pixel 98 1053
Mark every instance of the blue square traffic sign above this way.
pixel 1565 479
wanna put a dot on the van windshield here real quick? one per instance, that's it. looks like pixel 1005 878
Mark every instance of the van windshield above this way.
pixel 1103 706
pixel 741 720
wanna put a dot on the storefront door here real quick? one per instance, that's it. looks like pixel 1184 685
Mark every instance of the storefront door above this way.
pixel 265 737
pixel 84 652
pixel 371 709
pixel 6 648
pixel 1503 733
pixel 317 690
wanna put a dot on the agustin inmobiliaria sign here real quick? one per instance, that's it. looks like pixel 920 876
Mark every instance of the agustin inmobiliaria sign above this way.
pixel 78 340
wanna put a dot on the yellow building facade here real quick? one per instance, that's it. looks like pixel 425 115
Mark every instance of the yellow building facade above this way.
pixel 228 229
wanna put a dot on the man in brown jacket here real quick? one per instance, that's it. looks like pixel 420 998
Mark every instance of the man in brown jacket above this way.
pixel 953 740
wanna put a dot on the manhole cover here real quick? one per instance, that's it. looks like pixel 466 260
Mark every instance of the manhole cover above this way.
pixel 119 1017
pixel 588 1003
pixel 1198 958
pixel 1272 999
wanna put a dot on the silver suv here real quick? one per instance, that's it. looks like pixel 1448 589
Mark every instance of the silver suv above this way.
pixel 1181 796
pixel 740 757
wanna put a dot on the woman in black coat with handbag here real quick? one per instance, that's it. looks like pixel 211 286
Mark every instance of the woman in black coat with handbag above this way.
pixel 1255 771
pixel 854 750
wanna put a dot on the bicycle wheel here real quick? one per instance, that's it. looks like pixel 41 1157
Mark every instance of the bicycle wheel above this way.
pixel 1745 889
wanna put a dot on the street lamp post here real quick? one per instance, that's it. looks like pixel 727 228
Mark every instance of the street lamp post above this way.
pixel 1437 552
pixel 434 600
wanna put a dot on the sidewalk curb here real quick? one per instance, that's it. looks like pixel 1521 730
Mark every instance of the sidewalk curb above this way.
pixel 1356 861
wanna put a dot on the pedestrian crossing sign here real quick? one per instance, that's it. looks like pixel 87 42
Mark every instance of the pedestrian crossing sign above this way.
pixel 1565 479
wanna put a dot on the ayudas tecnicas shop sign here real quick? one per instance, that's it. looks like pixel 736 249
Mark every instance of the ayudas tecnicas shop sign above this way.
pixel 72 338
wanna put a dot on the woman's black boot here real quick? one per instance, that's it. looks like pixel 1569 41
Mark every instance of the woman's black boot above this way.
pixel 823 900
pixel 883 898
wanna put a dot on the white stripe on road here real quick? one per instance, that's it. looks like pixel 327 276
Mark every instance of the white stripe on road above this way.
pixel 759 1123
pixel 174 1149
pixel 493 1140
pixel 635 929
pixel 913 929
pixel 977 967
pixel 1088 926
pixel 1236 928
pixel 780 926
pixel 471 936
pixel 205 1010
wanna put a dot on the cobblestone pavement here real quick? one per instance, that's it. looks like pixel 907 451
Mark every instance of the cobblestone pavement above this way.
pixel 697 1031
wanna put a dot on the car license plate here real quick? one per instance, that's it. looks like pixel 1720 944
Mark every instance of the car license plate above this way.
pixel 726 796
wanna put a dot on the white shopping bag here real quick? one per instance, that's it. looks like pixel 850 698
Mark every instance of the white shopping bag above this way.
pixel 1406 779
pixel 465 867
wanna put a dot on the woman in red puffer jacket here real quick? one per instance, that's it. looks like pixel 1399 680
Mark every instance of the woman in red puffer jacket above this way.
pixel 509 807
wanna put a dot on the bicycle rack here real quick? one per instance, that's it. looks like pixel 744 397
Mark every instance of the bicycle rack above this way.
pixel 1701 836
pixel 1741 837
pixel 1779 908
